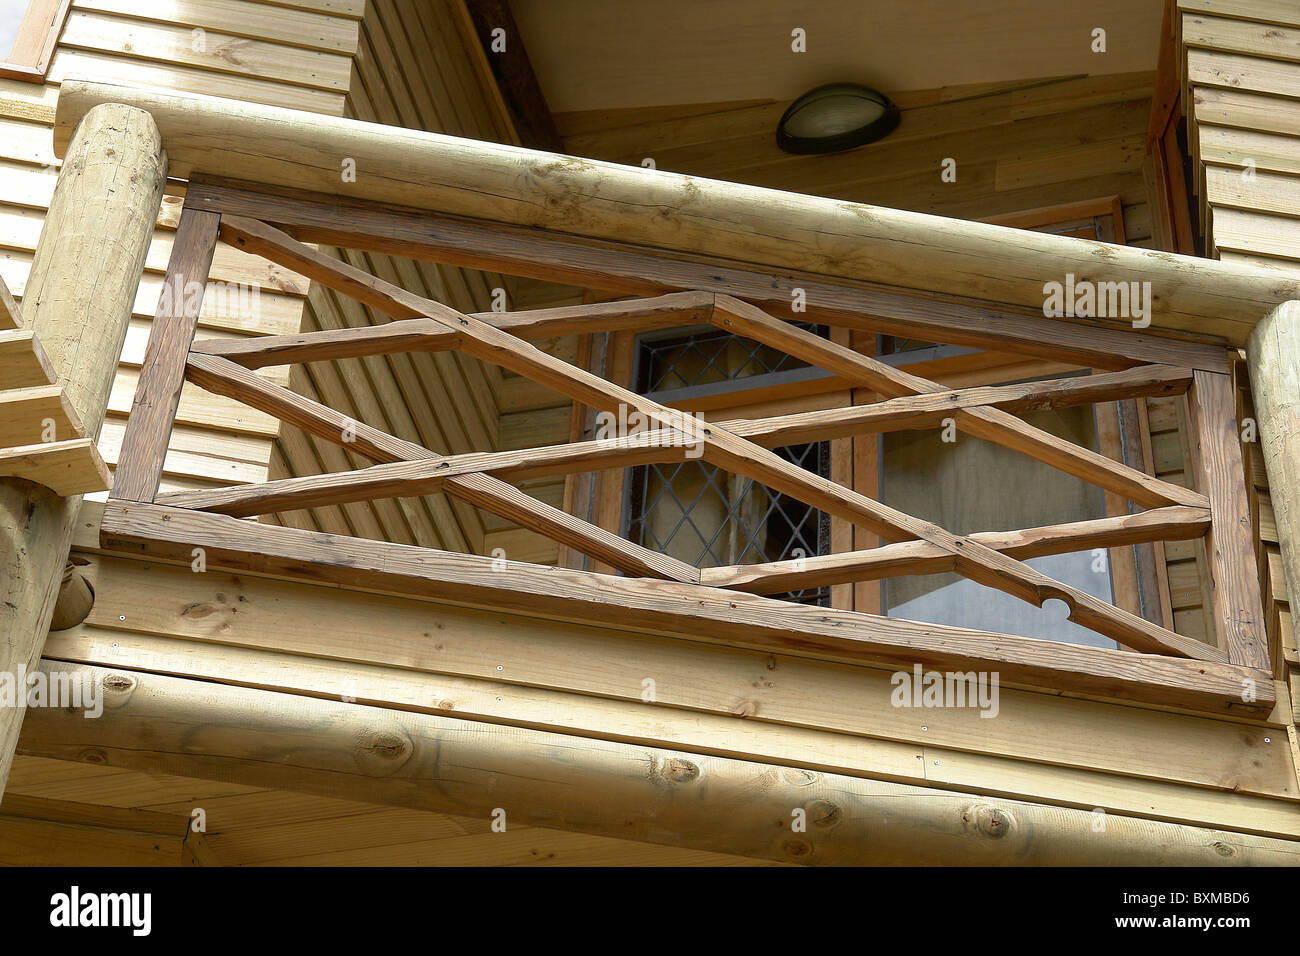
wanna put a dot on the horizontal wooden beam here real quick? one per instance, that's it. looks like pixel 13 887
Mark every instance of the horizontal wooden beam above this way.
pixel 31 415
pixel 648 447
pixel 685 610
pixel 634 270
pixel 422 335
pixel 684 214
pixel 1175 523
pixel 283 741
pixel 23 363
pixel 72 467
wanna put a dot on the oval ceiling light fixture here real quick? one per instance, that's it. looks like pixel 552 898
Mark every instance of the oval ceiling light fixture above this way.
pixel 836 117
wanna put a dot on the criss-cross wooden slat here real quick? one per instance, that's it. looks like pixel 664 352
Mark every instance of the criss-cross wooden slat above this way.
pixel 222 377
pixel 643 448
pixel 423 335
pixel 722 448
pixel 1174 523
pixel 741 318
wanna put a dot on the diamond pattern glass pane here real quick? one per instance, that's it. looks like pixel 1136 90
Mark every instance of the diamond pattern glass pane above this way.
pixel 709 518
pixel 709 357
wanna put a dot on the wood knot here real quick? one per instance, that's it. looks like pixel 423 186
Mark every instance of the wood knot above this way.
pixel 991 821
pixel 799 778
pixel 823 813
pixel 383 751
pixel 797 848
pixel 119 684
pixel 1224 849
pixel 93 756
pixel 680 770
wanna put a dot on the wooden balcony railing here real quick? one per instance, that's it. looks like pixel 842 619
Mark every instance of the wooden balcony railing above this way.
pixel 1153 665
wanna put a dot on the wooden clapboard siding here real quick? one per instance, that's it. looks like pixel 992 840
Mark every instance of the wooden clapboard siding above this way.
pixel 297 56
pixel 1240 73
pixel 415 68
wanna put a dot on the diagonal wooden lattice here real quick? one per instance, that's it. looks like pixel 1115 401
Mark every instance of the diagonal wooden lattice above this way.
pixel 916 546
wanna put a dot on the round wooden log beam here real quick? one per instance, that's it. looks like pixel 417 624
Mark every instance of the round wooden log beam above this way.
pixel 1273 357
pixel 75 600
pixel 685 214
pixel 78 300
pixel 162 724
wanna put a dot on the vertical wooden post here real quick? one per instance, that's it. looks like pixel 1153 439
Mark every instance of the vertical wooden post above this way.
pixel 162 376
pixel 1273 356
pixel 1236 602
pixel 78 300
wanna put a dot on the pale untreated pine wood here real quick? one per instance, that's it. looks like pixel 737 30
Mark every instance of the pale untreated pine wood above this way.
pixel 1274 357
pixel 691 216
pixel 1166 749
pixel 158 390
pixel 31 415
pixel 405 335
pixel 1229 544
pixel 996 426
pixel 491 494
pixel 77 300
pixel 260 21
pixel 72 467
pixel 641 271
pixel 687 610
pixel 617 789
pixel 23 363
pixel 721 448
pixel 207 616
pixel 1175 523
pixel 664 444
pixel 10 316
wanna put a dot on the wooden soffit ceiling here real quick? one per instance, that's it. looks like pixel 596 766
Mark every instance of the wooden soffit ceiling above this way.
pixel 593 54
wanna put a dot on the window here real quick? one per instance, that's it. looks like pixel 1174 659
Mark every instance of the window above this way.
pixel 698 513
pixel 29 30
pixel 708 518
pixel 929 477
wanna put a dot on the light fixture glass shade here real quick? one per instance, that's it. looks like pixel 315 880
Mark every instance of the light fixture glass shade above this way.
pixel 836 117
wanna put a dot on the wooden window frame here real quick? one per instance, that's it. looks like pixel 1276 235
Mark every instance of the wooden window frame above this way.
pixel 38 34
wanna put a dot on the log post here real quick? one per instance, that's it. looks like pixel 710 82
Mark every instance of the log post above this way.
pixel 1273 354
pixel 78 302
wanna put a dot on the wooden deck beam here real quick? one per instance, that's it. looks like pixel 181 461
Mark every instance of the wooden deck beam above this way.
pixel 685 610
pixel 676 797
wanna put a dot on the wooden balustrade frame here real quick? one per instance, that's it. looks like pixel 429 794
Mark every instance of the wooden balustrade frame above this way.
pixel 1153 665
